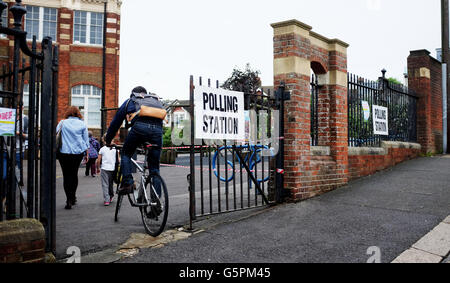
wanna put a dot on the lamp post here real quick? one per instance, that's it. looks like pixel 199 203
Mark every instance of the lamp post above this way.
pixel 445 71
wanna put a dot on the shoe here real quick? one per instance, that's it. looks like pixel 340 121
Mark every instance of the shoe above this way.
pixel 154 212
pixel 125 190
pixel 111 199
pixel 107 203
pixel 68 206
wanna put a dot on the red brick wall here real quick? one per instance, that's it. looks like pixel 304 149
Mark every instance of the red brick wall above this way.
pixel 112 65
pixel 428 86
pixel 313 171
pixel 66 47
pixel 306 175
pixel 366 164
pixel 22 241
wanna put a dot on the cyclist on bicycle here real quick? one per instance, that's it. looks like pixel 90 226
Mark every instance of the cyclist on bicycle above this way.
pixel 145 113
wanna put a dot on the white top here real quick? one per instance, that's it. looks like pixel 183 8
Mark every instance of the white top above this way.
pixel 108 158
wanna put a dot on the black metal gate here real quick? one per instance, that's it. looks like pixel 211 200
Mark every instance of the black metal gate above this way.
pixel 28 189
pixel 231 176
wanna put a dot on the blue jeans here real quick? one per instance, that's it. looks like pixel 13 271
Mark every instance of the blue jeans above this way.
pixel 5 164
pixel 139 134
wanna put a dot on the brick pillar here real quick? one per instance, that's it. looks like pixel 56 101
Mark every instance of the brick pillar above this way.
pixel 296 47
pixel 112 64
pixel 291 65
pixel 65 39
pixel 338 108
pixel 22 241
pixel 425 79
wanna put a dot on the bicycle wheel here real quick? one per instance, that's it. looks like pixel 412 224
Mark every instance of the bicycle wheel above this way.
pixel 154 215
pixel 118 205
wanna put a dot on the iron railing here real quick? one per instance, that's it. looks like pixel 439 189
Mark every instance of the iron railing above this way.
pixel 227 177
pixel 315 90
pixel 28 190
pixel 402 111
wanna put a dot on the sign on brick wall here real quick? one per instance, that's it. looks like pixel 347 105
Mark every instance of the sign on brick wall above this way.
pixel 380 120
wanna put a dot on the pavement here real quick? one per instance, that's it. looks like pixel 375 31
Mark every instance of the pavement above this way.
pixel 376 219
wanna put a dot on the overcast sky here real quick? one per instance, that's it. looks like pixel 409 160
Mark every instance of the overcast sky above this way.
pixel 164 42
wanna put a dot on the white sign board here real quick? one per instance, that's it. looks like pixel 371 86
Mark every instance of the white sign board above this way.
pixel 7 122
pixel 219 114
pixel 380 120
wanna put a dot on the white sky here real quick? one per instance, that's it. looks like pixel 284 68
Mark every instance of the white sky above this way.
pixel 164 42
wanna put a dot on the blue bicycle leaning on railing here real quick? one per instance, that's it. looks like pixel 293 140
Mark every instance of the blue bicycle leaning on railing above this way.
pixel 253 157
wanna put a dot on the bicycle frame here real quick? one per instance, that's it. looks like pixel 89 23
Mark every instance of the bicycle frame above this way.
pixel 141 190
pixel 253 159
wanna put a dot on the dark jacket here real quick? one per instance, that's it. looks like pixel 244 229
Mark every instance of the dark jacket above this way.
pixel 129 107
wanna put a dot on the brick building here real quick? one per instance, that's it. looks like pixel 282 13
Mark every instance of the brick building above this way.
pixel 77 28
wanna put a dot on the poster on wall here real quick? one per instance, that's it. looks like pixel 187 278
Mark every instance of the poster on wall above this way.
pixel 380 120
pixel 219 114
pixel 7 122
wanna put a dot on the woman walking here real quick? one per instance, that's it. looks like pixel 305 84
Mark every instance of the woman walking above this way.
pixel 94 148
pixel 75 145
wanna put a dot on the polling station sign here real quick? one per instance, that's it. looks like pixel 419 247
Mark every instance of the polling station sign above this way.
pixel 7 122
pixel 380 120
pixel 219 114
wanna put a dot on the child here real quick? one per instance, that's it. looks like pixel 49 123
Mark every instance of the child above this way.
pixel 107 160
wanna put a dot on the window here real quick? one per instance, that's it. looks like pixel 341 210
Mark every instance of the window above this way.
pixel 88 28
pixel 178 119
pixel 89 99
pixel 41 22
pixel 5 18
pixel 4 22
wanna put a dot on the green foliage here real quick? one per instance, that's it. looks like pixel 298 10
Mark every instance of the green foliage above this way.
pixel 394 81
pixel 247 81
pixel 167 137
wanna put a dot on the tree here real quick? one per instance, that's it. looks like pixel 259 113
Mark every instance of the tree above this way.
pixel 247 81
pixel 394 81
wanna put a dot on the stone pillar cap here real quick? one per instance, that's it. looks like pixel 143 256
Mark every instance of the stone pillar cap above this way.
pixel 290 23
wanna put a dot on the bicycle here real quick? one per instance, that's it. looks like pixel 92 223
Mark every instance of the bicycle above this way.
pixel 153 206
pixel 252 158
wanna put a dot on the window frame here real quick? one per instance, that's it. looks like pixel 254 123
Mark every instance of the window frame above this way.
pixel 90 94
pixel 88 30
pixel 4 21
pixel 40 35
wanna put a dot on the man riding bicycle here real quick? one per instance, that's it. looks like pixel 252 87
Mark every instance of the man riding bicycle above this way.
pixel 145 113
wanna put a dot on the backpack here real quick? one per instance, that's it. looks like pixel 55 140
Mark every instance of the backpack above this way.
pixel 147 105
pixel 93 148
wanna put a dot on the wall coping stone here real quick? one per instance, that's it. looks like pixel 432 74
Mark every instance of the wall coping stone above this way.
pixel 353 151
pixel 383 150
pixel 19 231
pixel 320 150
pixel 408 145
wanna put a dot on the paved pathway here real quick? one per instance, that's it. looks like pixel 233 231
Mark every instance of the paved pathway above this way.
pixel 386 213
